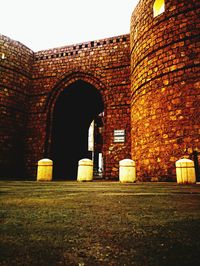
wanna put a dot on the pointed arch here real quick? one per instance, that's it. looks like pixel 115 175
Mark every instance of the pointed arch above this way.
pixel 70 78
pixel 64 82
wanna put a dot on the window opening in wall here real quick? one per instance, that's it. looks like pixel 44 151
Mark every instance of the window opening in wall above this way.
pixel 158 7
pixel 3 56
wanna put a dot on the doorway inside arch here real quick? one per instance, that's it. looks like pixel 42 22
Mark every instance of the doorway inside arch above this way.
pixel 76 107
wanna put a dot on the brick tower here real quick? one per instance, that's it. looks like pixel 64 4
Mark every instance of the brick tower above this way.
pixel 165 88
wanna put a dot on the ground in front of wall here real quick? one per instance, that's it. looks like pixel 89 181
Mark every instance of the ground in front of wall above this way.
pixel 99 223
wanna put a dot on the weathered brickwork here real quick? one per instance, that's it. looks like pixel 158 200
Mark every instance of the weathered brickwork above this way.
pixel 15 82
pixel 106 65
pixel 165 90
pixel 148 82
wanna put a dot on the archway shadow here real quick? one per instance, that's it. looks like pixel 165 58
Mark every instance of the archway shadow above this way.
pixel 75 109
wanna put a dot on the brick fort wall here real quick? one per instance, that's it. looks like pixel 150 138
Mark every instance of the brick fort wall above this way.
pixel 15 84
pixel 165 88
pixel 148 81
pixel 106 65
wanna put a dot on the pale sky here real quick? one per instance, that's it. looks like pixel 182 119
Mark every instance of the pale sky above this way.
pixel 43 24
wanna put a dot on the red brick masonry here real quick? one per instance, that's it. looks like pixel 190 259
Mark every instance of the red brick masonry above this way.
pixel 31 83
pixel 148 80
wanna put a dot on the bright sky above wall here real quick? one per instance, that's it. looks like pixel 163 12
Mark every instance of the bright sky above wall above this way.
pixel 43 24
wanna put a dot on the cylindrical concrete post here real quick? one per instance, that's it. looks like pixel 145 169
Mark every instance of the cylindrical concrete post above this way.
pixel 127 171
pixel 85 170
pixel 185 171
pixel 45 169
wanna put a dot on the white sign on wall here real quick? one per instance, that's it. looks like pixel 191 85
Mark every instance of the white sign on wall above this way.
pixel 119 136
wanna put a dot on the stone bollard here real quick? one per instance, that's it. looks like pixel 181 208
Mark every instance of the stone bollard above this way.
pixel 185 171
pixel 45 169
pixel 85 170
pixel 127 171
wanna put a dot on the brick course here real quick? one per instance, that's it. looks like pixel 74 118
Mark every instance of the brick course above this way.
pixel 165 94
pixel 103 63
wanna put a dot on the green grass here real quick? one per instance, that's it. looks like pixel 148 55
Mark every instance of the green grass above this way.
pixel 99 223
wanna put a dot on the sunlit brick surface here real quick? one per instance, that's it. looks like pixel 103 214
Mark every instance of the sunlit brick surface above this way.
pixel 165 90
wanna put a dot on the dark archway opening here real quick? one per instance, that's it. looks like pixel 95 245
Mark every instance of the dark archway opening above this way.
pixel 76 107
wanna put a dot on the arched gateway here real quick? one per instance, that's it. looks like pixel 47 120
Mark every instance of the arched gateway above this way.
pixel 75 105
pixel 75 109
pixel 50 98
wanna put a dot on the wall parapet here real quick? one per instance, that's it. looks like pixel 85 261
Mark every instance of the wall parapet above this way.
pixel 75 48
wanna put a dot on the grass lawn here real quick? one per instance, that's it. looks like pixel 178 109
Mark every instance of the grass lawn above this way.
pixel 99 223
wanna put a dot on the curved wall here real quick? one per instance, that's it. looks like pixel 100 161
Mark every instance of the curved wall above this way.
pixel 165 94
pixel 15 77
